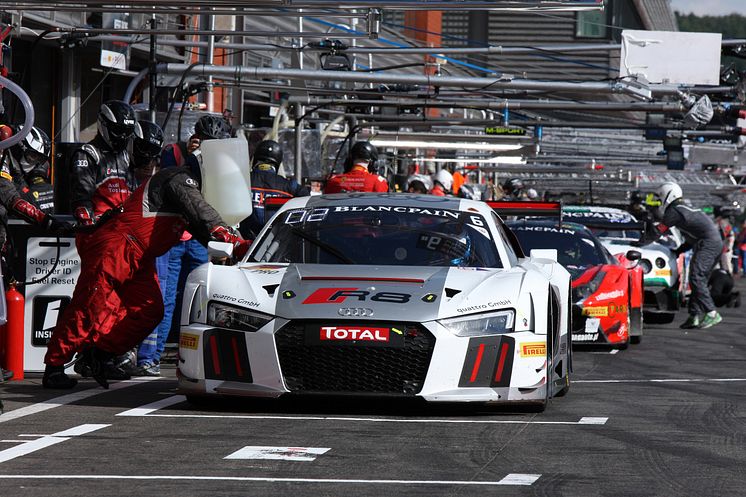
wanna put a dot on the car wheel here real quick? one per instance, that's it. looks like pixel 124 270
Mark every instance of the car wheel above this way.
pixel 659 317
pixel 199 400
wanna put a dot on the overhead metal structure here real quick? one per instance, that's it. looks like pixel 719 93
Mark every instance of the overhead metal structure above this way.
pixel 498 5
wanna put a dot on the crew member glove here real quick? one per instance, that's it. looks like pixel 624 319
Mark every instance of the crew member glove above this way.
pixel 222 233
pixel 84 216
pixel 56 226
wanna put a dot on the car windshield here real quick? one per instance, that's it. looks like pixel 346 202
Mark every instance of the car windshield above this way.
pixel 575 249
pixel 378 235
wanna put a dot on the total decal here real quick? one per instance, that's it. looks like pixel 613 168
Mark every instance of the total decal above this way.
pixel 356 333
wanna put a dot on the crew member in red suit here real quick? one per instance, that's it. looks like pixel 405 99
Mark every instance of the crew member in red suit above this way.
pixel 117 301
pixel 357 176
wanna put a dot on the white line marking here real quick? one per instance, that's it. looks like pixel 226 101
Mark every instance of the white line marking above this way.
pixel 79 430
pixel 154 406
pixel 614 351
pixel 69 399
pixel 588 420
pixel 46 441
pixel 278 453
pixel 29 447
pixel 521 479
pixel 665 380
pixel 13 441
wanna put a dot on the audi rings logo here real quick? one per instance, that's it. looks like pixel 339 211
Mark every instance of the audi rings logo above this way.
pixel 355 311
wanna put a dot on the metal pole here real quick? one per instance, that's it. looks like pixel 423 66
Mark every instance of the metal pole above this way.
pixel 258 73
pixel 299 142
pixel 210 58
pixel 502 104
pixel 152 69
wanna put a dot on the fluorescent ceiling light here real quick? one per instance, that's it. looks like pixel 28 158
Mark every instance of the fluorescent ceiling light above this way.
pixel 492 160
pixel 379 142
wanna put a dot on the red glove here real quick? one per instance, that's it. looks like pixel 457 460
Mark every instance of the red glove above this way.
pixel 28 211
pixel 222 233
pixel 84 216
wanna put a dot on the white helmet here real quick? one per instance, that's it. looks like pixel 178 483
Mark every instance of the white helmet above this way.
pixel 444 178
pixel 668 193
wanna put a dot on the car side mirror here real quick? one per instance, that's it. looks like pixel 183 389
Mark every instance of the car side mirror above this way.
pixel 550 254
pixel 219 250
pixel 633 255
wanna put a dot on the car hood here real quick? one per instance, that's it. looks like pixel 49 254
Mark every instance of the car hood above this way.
pixel 400 293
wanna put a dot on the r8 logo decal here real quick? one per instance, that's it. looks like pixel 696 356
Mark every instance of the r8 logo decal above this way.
pixel 339 295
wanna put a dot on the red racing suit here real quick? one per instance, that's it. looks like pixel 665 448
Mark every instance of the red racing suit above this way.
pixel 358 179
pixel 117 301
pixel 100 180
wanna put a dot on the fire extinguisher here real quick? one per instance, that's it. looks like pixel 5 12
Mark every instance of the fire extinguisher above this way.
pixel 14 332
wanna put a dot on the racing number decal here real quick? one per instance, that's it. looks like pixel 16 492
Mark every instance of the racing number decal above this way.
pixel 339 295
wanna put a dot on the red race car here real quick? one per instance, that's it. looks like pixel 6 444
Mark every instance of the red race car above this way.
pixel 606 290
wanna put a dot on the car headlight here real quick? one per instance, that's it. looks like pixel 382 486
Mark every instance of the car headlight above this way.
pixel 660 262
pixel 582 292
pixel 235 318
pixel 492 323
pixel 646 266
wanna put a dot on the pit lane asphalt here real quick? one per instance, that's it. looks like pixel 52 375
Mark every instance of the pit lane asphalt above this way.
pixel 666 417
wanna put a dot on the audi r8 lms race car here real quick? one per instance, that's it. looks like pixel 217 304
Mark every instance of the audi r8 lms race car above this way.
pixel 606 293
pixel 380 294
pixel 620 232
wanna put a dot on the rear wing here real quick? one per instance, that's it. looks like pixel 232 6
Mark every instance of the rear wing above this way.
pixel 272 205
pixel 527 209
pixel 608 225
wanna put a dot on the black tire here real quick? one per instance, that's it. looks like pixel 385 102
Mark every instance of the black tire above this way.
pixel 199 400
pixel 659 317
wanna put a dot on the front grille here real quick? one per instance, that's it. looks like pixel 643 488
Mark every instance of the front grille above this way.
pixel 354 369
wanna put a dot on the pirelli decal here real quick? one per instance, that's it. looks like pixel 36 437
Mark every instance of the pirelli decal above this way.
pixel 188 341
pixel 533 349
pixel 596 311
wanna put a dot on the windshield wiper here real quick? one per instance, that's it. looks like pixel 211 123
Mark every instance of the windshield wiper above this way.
pixel 322 245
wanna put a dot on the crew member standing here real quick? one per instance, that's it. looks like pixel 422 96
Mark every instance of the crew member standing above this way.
pixel 357 176
pixel 117 301
pixel 267 183
pixel 102 180
pixel 700 234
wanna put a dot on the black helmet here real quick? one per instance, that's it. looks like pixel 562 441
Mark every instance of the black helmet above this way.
pixel 116 123
pixel 268 152
pixel 362 151
pixel 211 128
pixel 147 143
pixel 513 186
pixel 32 152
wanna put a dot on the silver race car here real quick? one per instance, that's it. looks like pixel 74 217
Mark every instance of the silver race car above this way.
pixel 380 294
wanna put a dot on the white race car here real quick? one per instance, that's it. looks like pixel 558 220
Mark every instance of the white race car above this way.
pixel 380 294
pixel 620 231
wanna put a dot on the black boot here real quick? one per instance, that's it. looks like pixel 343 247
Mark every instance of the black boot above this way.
pixel 5 375
pixel 90 363
pixel 55 377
